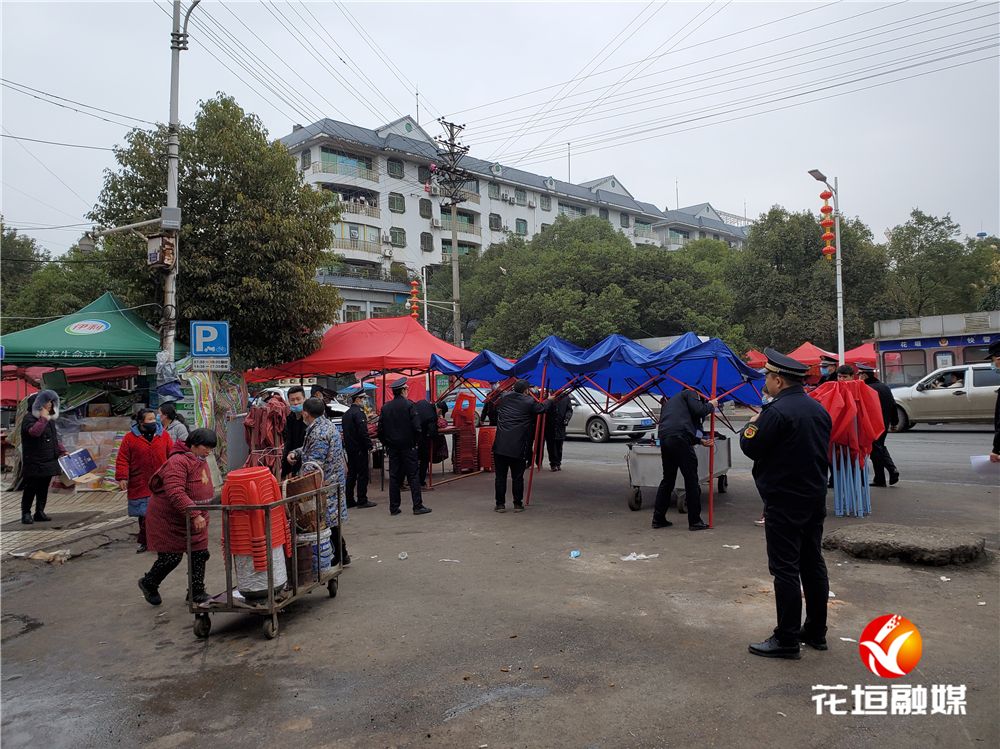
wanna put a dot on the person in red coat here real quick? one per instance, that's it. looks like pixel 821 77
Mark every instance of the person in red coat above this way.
pixel 183 482
pixel 141 453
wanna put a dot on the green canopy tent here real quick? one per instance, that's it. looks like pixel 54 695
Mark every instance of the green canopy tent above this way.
pixel 103 334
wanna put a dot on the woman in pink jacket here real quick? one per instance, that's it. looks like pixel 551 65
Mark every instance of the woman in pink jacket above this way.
pixel 183 482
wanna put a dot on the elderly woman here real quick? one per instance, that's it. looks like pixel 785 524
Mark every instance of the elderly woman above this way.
pixel 40 451
pixel 183 482
pixel 142 451
pixel 324 447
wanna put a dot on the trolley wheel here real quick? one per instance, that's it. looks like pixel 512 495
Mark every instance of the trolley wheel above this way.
pixel 635 501
pixel 723 484
pixel 331 588
pixel 202 626
pixel 270 628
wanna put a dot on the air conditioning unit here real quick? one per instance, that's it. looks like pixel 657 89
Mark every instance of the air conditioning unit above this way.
pixel 435 223
pixel 531 204
pixel 435 190
pixel 506 228
pixel 387 252
pixel 386 237
pixel 505 197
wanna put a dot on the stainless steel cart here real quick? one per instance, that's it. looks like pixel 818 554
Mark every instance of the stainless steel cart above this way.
pixel 645 469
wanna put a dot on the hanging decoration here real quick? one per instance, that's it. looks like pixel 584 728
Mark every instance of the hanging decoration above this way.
pixel 414 300
pixel 829 250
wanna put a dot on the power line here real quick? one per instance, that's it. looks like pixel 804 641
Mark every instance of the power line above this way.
pixel 40 202
pixel 35 226
pixel 46 168
pixel 78 103
pixel 57 143
pixel 64 106
pixel 57 317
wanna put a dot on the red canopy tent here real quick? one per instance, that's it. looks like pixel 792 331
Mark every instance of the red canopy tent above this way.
pixel 377 345
pixel 863 354
pixel 755 359
pixel 13 392
pixel 809 354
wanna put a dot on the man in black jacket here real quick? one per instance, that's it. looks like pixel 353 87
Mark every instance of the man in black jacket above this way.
pixel 295 427
pixel 357 446
pixel 555 430
pixel 680 424
pixel 516 415
pixel 789 444
pixel 994 357
pixel 398 430
pixel 427 414
pixel 881 460
pixel 827 370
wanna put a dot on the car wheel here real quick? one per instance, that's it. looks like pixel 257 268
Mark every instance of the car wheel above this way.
pixel 904 421
pixel 597 430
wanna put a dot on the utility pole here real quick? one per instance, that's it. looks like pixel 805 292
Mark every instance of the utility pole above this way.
pixel 569 163
pixel 452 180
pixel 171 213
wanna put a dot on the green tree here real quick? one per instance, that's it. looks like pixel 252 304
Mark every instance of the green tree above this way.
pixel 20 259
pixel 253 234
pixel 784 290
pixel 984 254
pixel 932 272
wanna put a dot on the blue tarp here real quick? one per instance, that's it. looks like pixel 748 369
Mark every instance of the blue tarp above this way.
pixel 620 365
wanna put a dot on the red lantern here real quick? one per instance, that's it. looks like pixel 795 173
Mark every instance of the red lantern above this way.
pixel 826 195
pixel 829 252
pixel 828 237
pixel 827 209
pixel 826 223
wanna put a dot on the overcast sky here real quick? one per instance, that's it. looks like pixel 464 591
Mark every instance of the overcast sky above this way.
pixel 662 93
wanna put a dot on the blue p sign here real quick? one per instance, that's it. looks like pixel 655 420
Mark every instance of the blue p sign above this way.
pixel 209 338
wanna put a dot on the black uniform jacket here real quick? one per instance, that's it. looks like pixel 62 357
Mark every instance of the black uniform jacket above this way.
pixel 516 414
pixel 294 438
pixel 356 439
pixel 682 416
pixel 890 416
pixel 398 424
pixel 558 417
pixel 427 413
pixel 789 445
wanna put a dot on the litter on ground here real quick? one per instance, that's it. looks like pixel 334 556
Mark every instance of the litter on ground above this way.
pixel 633 557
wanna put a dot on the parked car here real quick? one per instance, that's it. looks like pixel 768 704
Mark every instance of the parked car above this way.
pixel 964 393
pixel 628 421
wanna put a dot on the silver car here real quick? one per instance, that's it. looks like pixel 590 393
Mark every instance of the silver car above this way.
pixel 628 421
pixel 962 393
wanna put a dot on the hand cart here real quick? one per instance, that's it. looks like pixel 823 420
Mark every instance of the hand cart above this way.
pixel 277 600
pixel 645 469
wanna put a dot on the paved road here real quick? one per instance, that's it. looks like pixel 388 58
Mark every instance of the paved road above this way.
pixel 934 454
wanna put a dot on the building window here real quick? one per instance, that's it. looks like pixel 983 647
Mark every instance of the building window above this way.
pixel 571 211
pixel 603 213
pixel 545 201
pixel 425 208
pixel 624 220
pixel 426 242
pixel 380 311
pixel 306 157
pixel 424 173
pixel 546 226
pixel 397 237
pixel 715 236
pixel 520 196
pixel 521 227
pixel 353 312
pixel 494 191
pixel 397 203
pixel 394 167
pixel 496 223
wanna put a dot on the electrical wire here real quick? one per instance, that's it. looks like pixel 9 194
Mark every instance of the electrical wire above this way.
pixel 39 201
pixel 78 103
pixel 57 143
pixel 64 106
pixel 35 226
pixel 57 317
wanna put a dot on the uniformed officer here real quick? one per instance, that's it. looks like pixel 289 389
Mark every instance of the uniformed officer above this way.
pixel 994 357
pixel 357 445
pixel 827 370
pixel 881 459
pixel 789 443
pixel 517 412
pixel 398 430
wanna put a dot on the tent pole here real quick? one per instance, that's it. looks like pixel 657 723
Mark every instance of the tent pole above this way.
pixel 538 422
pixel 711 450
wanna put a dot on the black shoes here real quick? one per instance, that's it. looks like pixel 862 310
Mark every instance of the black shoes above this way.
pixel 366 503
pixel 395 511
pixel 140 548
pixel 26 518
pixel 893 478
pixel 500 508
pixel 347 560
pixel 816 643
pixel 661 523
pixel 771 648
pixel 518 507
pixel 421 510
pixel 200 596
pixel 698 527
pixel 41 517
pixel 151 594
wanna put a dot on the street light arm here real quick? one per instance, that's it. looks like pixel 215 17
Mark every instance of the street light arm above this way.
pixel 188 15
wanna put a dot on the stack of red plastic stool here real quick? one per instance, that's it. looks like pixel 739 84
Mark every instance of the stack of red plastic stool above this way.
pixel 487 436
pixel 254 486
pixel 464 416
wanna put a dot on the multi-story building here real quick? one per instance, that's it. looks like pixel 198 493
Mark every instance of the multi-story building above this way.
pixel 391 224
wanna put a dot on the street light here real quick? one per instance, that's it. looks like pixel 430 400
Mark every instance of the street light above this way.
pixel 817 175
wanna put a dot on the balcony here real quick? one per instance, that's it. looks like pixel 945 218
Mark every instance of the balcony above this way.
pixel 644 232
pixel 358 245
pixel 472 197
pixel 372 211
pixel 470 229
pixel 344 170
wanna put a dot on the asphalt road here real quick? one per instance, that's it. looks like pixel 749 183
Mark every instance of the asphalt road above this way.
pixel 929 454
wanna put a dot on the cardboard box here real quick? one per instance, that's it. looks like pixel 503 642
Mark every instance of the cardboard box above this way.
pixel 99 409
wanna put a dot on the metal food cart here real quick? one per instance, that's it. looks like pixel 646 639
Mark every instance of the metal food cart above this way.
pixel 230 602
pixel 645 469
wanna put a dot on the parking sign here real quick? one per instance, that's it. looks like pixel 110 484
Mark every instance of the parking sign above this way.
pixel 209 339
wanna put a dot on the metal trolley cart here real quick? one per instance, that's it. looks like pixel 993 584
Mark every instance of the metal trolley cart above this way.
pixel 645 469
pixel 275 601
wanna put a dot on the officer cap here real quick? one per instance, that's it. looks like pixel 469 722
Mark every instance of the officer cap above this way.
pixel 865 368
pixel 398 384
pixel 827 360
pixel 358 394
pixel 784 365
pixel 994 350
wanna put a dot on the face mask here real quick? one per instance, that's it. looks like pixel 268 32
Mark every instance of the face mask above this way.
pixel 147 428
pixel 296 409
pixel 765 398
pixel 824 370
